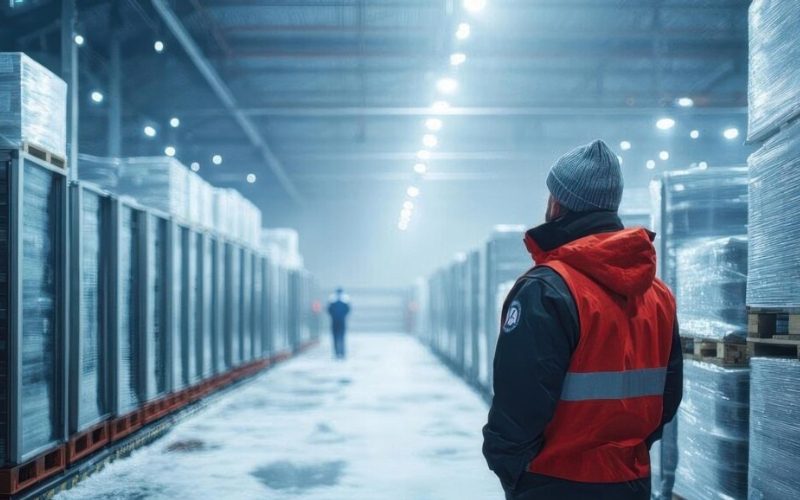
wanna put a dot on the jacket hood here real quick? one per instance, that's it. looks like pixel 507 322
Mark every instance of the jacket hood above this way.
pixel 622 261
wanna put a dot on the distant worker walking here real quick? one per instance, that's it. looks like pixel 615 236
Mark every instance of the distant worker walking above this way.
pixel 339 308
pixel 588 366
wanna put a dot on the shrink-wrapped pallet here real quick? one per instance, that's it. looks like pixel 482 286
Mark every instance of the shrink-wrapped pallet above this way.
pixel 711 276
pixel 773 93
pixel 286 244
pixel 33 105
pixel 159 182
pixel 774 471
pixel 128 317
pixel 713 432
pixel 157 298
pixel 101 171
pixel 774 266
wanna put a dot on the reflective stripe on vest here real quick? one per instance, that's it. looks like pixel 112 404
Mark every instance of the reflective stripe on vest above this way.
pixel 614 385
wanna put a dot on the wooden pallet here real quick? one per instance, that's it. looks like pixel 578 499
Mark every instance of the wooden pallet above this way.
pixel 87 442
pixel 719 352
pixel 764 323
pixel 19 477
pixel 779 346
pixel 44 155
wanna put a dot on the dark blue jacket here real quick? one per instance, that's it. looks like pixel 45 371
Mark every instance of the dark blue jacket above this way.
pixel 338 308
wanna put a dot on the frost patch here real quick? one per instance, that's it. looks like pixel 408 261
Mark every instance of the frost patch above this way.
pixel 285 475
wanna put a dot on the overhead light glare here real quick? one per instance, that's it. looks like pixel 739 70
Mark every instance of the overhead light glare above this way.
pixel 423 154
pixel 440 106
pixel 702 165
pixel 694 134
pixel 97 96
pixel 149 131
pixel 412 191
pixel 730 133
pixel 651 164
pixel 430 140
pixel 159 46
pixel 664 155
pixel 79 40
pixel 174 122
pixel 624 145
pixel 433 124
pixel 447 85
pixel 169 151
pixel 685 102
pixel 408 204
pixel 195 166
pixel 474 5
pixel 420 168
pixel 251 178
pixel 665 123
pixel 457 59
pixel 216 159
pixel 463 31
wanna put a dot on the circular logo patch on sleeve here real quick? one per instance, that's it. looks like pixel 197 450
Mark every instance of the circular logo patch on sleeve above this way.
pixel 512 316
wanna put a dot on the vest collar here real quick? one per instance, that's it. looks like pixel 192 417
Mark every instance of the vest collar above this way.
pixel 549 236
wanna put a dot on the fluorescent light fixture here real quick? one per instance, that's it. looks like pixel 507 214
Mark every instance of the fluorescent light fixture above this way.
pixel 651 164
pixel 251 178
pixel 474 5
pixel 730 133
pixel 624 145
pixel 430 140
pixel 423 154
pixel 457 59
pixel 195 166
pixel 402 226
pixel 664 155
pixel 694 134
pixel 665 123
pixel 420 168
pixel 412 191
pixel 433 124
pixel 463 31
pixel 702 165
pixel 447 85
pixel 216 160
pixel 408 204
pixel 169 150
pixel 149 131
pixel 685 102
pixel 174 122
pixel 97 96
pixel 159 46
pixel 79 40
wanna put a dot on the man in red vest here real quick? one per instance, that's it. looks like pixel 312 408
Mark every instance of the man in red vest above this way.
pixel 588 366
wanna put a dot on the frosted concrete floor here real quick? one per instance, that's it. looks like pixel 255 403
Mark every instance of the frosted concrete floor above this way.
pixel 391 422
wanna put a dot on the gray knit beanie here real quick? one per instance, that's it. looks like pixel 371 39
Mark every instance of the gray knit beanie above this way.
pixel 587 178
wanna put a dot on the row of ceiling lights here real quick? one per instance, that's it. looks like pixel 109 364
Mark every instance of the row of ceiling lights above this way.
pixel 149 130
pixel 445 86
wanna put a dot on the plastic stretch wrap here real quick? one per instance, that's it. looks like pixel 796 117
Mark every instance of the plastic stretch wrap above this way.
pixel 33 105
pixel 663 462
pixel 178 316
pixel 257 310
pixel 247 302
pixel 190 286
pixel 713 432
pixel 206 307
pixel 128 334
pixel 90 385
pixel 711 277
pixel 39 379
pixel 233 307
pixel 286 243
pixel 159 182
pixel 774 431
pixel 4 312
pixel 774 272
pixel 157 298
pixel 104 172
pixel 220 300
pixel 773 93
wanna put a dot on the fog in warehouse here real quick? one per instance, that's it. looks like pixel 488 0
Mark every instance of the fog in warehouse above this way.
pixel 399 249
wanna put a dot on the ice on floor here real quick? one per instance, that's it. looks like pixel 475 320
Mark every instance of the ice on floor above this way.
pixel 391 422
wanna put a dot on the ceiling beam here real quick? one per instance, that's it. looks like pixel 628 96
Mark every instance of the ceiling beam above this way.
pixel 225 95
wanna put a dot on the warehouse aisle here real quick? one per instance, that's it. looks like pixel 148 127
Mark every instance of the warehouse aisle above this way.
pixel 389 423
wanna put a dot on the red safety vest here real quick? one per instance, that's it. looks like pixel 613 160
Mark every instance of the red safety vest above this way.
pixel 612 398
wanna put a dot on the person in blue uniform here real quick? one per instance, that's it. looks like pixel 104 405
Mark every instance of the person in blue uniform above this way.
pixel 339 308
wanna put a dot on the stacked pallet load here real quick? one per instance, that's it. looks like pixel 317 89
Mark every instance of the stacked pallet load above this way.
pixel 33 267
pixel 701 216
pixel 773 286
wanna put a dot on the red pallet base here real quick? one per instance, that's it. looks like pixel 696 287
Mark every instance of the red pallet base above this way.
pixel 124 425
pixel 87 442
pixel 16 479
